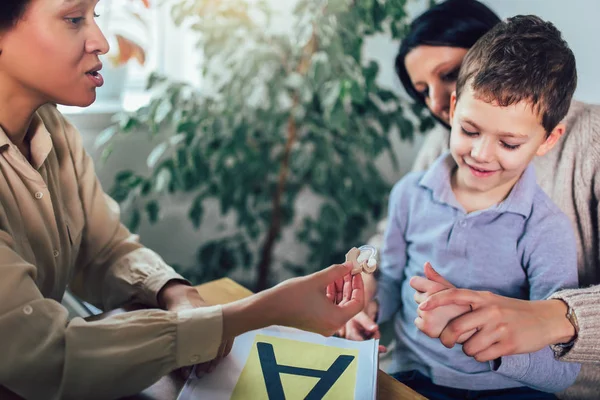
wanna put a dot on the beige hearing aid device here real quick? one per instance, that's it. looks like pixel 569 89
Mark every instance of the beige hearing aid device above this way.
pixel 363 259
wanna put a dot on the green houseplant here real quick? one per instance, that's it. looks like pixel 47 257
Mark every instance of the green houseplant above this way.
pixel 282 113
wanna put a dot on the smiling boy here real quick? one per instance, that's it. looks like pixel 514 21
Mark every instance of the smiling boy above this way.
pixel 479 216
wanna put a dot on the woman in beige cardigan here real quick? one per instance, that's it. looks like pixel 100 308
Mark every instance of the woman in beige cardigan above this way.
pixel 59 229
pixel 568 174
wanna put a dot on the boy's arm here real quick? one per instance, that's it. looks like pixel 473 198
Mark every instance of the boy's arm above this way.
pixel 393 254
pixel 550 259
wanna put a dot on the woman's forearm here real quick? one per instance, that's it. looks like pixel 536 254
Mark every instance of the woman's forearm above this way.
pixel 246 315
pixel 585 303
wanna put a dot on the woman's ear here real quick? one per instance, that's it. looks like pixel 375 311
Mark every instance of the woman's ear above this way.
pixel 551 140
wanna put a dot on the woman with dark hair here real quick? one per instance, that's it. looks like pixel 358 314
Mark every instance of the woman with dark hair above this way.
pixel 448 31
pixel 427 65
pixel 59 229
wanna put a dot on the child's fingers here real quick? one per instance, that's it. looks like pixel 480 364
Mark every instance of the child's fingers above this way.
pixel 420 297
pixel 366 323
pixel 424 285
pixel 433 275
pixel 355 331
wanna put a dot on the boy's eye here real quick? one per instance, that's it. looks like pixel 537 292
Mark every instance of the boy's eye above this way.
pixel 469 133
pixel 510 146
pixel 424 93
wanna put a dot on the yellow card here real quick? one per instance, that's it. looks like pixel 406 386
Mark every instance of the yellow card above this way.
pixel 285 369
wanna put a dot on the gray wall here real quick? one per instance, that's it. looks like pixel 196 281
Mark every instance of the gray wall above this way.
pixel 578 21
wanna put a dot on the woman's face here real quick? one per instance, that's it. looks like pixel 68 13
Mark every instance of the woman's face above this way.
pixel 51 54
pixel 433 71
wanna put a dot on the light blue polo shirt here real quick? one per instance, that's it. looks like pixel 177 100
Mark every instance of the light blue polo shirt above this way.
pixel 523 247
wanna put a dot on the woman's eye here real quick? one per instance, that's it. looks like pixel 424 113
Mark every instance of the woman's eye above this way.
pixel 424 93
pixel 451 76
pixel 74 20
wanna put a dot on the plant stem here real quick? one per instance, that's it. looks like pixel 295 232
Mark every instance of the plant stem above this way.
pixel 275 227
pixel 266 253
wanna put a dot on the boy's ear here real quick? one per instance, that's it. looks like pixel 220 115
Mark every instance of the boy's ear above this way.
pixel 551 140
pixel 452 106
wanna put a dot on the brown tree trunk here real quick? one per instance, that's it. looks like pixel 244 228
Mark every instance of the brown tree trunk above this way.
pixel 275 227
pixel 266 253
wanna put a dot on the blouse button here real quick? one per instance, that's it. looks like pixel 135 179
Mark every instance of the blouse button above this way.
pixel 27 310
pixel 39 195
pixel 56 253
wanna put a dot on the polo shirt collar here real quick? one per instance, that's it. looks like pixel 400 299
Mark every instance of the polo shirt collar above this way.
pixel 438 180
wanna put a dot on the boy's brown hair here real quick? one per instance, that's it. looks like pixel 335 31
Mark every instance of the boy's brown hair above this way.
pixel 522 59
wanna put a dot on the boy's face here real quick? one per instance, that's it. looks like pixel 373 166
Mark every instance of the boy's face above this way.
pixel 493 145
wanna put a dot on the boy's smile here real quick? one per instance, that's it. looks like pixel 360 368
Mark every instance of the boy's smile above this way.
pixel 480 172
pixel 492 146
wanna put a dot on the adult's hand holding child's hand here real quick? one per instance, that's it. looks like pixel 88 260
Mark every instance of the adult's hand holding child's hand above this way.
pixel 433 322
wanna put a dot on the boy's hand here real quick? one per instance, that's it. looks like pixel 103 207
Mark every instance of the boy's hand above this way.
pixel 177 296
pixel 363 327
pixel 432 323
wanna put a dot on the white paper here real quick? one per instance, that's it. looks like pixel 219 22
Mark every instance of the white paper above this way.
pixel 220 384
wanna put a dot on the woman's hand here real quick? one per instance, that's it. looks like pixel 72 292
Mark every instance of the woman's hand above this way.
pixel 324 301
pixel 177 296
pixel 505 325
pixel 312 303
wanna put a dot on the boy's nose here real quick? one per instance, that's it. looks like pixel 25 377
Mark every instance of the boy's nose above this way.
pixel 482 150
